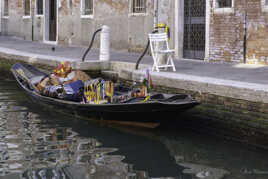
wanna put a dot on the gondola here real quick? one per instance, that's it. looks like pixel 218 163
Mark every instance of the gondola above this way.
pixel 130 111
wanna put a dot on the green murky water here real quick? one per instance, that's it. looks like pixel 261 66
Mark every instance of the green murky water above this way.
pixel 35 144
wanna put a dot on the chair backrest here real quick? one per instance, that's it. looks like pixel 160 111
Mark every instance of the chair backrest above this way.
pixel 158 37
pixel 158 41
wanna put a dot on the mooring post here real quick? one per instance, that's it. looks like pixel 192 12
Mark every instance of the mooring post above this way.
pixel 105 43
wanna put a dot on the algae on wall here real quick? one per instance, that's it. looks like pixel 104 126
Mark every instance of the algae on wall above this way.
pixel 5 73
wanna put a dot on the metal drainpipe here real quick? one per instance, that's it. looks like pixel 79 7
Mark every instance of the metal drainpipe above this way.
pixel 245 33
pixel 0 17
pixel 32 16
pixel 155 14
pixel 245 39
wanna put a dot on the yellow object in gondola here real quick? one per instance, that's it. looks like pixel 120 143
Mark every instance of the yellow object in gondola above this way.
pixel 147 98
pixel 109 90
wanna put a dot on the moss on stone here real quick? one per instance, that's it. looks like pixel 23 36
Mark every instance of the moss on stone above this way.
pixel 5 72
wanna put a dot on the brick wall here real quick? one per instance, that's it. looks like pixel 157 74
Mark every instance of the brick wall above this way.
pixel 226 33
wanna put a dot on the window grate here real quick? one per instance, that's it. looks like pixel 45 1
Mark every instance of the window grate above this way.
pixel 27 7
pixel 6 8
pixel 224 3
pixel 87 7
pixel 194 29
pixel 139 6
pixel 39 7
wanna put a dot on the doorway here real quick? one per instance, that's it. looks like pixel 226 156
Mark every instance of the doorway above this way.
pixel 51 20
pixel 194 29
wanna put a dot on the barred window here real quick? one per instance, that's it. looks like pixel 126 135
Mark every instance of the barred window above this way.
pixel 87 7
pixel 27 8
pixel 39 7
pixel 223 3
pixel 6 8
pixel 138 6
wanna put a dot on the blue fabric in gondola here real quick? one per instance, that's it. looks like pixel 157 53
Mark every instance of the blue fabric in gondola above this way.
pixel 102 89
pixel 74 91
pixel 53 91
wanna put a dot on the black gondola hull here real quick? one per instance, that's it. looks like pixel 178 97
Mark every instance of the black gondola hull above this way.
pixel 152 111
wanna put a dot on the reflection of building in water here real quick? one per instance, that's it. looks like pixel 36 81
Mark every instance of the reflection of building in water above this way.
pixel 38 149
pixel 196 157
pixel 12 149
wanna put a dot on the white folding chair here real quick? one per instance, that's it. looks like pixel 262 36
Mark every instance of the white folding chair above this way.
pixel 159 48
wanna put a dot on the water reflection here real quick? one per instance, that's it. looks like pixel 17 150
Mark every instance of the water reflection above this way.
pixel 36 150
pixel 34 145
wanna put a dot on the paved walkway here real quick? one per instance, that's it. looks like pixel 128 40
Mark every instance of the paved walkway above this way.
pixel 255 74
pixel 63 52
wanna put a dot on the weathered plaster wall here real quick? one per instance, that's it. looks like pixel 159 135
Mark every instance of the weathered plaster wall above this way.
pixel 16 25
pixel 226 33
pixel 166 15
pixel 128 32
pixel 171 23
pixel 163 13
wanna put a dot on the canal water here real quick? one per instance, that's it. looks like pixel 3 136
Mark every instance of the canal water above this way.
pixel 37 144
